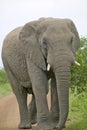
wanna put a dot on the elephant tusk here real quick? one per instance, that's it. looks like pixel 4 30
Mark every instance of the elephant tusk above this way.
pixel 78 64
pixel 48 67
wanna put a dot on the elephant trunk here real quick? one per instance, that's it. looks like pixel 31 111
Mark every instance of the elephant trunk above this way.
pixel 62 74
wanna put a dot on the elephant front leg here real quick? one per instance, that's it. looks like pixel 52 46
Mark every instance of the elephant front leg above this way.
pixel 40 84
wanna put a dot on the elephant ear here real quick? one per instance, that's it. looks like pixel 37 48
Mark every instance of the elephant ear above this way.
pixel 28 38
pixel 75 36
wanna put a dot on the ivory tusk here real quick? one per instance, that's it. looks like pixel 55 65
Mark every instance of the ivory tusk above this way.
pixel 48 67
pixel 78 64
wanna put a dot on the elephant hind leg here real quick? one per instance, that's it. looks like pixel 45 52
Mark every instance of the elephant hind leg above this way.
pixel 32 110
pixel 21 96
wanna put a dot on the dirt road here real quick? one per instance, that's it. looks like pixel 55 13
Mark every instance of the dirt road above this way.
pixel 9 113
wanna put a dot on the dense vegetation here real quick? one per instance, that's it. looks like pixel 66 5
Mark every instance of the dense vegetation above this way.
pixel 79 74
pixel 4 83
pixel 78 91
pixel 77 119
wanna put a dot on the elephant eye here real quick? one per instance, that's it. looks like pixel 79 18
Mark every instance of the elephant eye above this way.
pixel 45 43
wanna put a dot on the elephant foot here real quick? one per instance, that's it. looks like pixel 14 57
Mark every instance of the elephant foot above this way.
pixel 33 121
pixel 25 125
pixel 54 124
pixel 54 118
pixel 32 115
pixel 43 126
pixel 33 118
pixel 59 128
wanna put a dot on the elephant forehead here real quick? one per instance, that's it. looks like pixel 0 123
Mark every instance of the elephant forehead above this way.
pixel 58 29
pixel 51 26
pixel 54 35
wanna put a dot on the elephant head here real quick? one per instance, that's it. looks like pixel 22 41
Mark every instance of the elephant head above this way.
pixel 54 42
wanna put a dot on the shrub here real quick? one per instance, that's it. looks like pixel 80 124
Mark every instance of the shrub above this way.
pixel 3 77
pixel 5 87
pixel 79 74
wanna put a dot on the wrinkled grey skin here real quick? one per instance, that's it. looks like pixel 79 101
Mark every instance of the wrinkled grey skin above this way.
pixel 26 52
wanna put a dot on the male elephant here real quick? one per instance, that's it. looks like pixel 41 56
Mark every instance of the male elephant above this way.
pixel 27 53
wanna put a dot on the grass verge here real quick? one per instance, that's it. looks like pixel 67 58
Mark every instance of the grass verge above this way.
pixel 78 112
pixel 5 89
pixel 4 84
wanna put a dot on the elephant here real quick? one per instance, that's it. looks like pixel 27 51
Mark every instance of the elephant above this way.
pixel 34 53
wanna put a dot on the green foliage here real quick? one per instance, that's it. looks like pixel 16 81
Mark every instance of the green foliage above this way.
pixel 83 41
pixel 3 77
pixel 4 83
pixel 78 95
pixel 79 74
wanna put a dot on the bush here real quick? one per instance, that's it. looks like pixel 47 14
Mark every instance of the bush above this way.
pixel 5 87
pixel 79 74
pixel 3 77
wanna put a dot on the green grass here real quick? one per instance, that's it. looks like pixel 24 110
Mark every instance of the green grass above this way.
pixel 78 125
pixel 78 112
